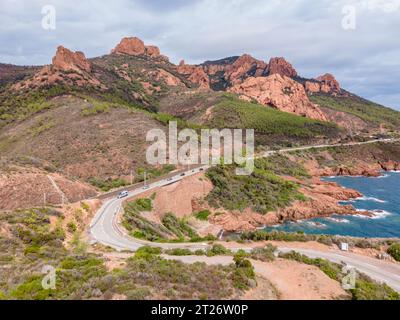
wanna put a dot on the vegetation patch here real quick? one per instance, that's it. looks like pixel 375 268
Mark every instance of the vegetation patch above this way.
pixel 232 112
pixel 34 242
pixel 365 287
pixel 202 215
pixel 365 110
pixel 109 184
pixel 171 229
pixel 263 190
pixel 394 251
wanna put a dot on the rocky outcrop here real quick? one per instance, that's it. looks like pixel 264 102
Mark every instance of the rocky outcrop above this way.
pixel 390 165
pixel 66 60
pixel 195 74
pixel 322 200
pixel 131 46
pixel 227 72
pixel 134 46
pixel 326 84
pixel 67 67
pixel 282 67
pixel 280 92
pixel 152 51
pixel 168 78
pixel 329 83
pixel 361 169
pixel 244 67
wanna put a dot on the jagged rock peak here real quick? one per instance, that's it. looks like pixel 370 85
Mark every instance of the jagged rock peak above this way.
pixel 279 65
pixel 67 60
pixel 134 46
pixel 325 83
pixel 329 81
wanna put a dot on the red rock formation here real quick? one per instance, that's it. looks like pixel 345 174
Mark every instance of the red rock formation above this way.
pixel 66 60
pixel 195 74
pixel 78 67
pixel 242 67
pixel 280 92
pixel 360 169
pixel 132 46
pixel 390 165
pixel 329 83
pixel 282 67
pixel 313 86
pixel 323 200
pixel 165 76
pixel 326 84
pixel 152 51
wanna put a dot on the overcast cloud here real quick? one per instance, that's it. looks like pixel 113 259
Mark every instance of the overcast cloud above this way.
pixel 307 33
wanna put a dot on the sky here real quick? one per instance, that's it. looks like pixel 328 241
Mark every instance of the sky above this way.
pixel 356 40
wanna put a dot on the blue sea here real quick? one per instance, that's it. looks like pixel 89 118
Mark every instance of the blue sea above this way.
pixel 381 196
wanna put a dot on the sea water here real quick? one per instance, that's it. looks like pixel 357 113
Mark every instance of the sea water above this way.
pixel 381 196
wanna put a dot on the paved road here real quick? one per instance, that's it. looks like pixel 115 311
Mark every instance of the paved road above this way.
pixel 381 271
pixel 105 229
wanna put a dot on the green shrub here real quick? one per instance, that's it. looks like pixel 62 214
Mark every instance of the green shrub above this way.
pixel 394 251
pixel 33 249
pixel 367 289
pixel 244 272
pixel 218 250
pixel 266 254
pixel 263 191
pixel 179 227
pixel 144 204
pixel 202 215
pixel 107 185
pixel 71 226
pixel 85 206
pixel 138 294
pixel 31 289
pixel 179 252
pixel 147 253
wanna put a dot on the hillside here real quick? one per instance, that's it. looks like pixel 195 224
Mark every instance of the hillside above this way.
pixel 372 114
pixel 86 119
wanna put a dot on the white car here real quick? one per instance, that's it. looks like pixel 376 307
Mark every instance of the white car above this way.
pixel 122 194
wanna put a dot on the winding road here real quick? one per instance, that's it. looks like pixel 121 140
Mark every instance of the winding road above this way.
pixel 105 229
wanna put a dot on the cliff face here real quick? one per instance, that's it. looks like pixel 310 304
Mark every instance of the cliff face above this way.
pixel 280 92
pixel 67 67
pixel 67 60
pixel 194 74
pixel 282 67
pixel 326 84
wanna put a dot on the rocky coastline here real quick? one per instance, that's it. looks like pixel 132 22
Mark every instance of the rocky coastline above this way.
pixel 323 199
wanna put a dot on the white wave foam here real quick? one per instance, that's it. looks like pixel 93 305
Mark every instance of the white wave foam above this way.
pixel 316 224
pixel 380 214
pixel 338 220
pixel 383 176
pixel 377 214
pixel 370 199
